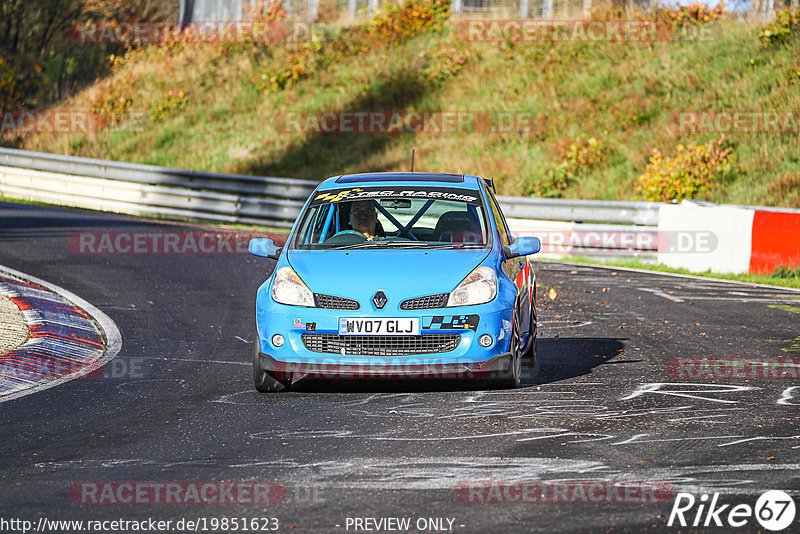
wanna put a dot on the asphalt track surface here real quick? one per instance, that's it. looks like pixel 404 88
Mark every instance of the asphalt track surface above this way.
pixel 179 405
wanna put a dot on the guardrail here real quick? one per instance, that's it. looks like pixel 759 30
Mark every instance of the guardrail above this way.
pixel 150 190
pixel 587 211
pixel 175 193
pixel 596 228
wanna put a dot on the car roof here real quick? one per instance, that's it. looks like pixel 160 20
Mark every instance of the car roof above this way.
pixel 399 179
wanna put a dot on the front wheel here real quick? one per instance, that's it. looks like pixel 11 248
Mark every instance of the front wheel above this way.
pixel 510 378
pixel 264 381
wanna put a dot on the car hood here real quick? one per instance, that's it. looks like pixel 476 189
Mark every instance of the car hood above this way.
pixel 401 274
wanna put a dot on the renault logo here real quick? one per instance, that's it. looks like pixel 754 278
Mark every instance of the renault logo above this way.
pixel 380 300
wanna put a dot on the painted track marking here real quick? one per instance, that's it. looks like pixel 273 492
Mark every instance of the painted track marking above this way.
pixel 107 326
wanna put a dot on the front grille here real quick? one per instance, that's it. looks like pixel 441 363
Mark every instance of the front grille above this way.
pixel 425 303
pixel 334 303
pixel 381 345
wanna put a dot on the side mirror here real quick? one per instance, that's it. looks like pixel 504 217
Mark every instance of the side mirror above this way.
pixel 523 246
pixel 263 247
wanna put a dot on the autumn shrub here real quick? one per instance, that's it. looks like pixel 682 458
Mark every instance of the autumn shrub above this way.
pixel 170 103
pixel 695 14
pixel 578 158
pixel 694 169
pixel 792 74
pixel 268 20
pixel 264 11
pixel 296 66
pixel 672 22
pixel 445 63
pixel 782 29
pixel 395 23
pixel 112 102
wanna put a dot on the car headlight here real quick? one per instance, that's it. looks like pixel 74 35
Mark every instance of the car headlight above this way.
pixel 478 287
pixel 288 288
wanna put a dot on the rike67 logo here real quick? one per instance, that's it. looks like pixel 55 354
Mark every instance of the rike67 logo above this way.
pixel 774 510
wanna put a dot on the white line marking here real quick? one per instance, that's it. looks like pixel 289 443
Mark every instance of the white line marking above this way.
pixel 739 299
pixel 658 388
pixel 674 275
pixel 139 381
pixel 703 418
pixel 787 395
pixel 635 439
pixel 471 436
pixel 107 326
pixel 757 438
pixel 660 293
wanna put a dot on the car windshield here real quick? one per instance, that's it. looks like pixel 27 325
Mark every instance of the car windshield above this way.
pixel 386 218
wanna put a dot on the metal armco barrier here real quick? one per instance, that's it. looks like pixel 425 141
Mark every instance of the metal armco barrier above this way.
pixel 589 211
pixel 175 193
pixel 149 190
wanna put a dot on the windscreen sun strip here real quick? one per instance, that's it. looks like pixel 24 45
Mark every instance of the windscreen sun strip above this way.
pixel 470 196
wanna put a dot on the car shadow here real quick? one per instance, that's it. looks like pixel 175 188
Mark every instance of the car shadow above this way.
pixel 559 359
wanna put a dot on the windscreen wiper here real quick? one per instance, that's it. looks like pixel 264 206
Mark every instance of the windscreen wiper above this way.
pixel 383 244
pixel 456 247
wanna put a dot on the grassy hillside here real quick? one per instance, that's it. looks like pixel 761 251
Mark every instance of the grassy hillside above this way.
pixel 600 108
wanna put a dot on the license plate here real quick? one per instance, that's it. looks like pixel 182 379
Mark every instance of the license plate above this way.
pixel 389 326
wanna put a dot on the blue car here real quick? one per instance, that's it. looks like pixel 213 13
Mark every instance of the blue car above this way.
pixel 397 275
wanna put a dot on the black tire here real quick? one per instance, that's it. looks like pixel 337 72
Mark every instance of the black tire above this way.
pixel 510 378
pixel 264 381
pixel 515 370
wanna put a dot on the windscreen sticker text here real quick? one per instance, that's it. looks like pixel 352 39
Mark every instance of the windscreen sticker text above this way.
pixel 359 193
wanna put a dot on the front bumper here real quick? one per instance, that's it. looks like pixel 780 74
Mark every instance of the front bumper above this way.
pixel 384 368
pixel 467 360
